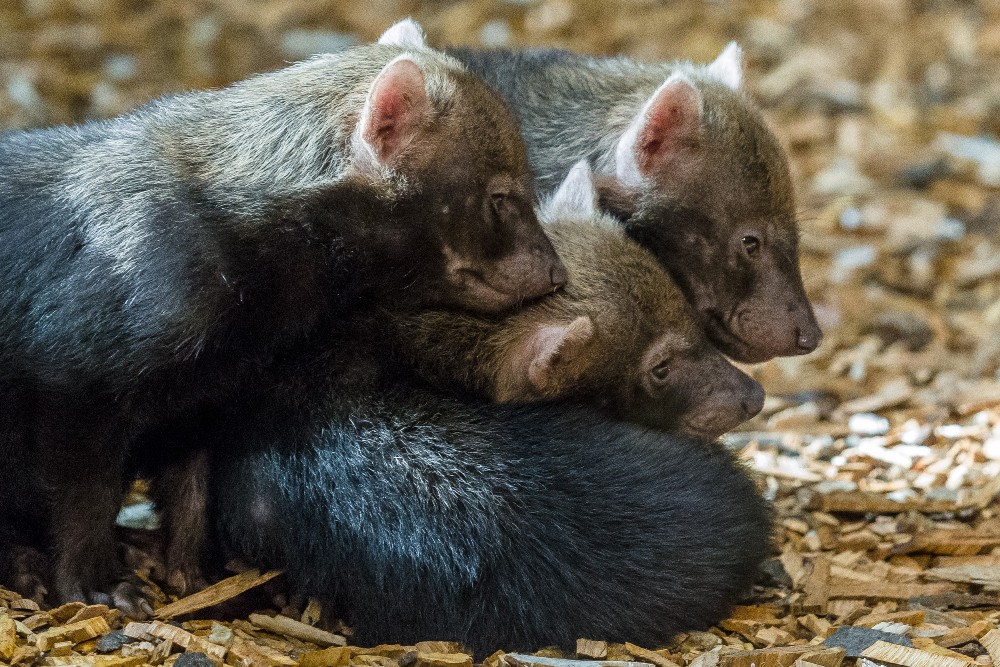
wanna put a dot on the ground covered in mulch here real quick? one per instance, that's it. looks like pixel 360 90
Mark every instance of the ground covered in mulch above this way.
pixel 881 451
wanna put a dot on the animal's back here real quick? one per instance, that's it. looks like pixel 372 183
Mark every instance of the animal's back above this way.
pixel 96 234
pixel 498 526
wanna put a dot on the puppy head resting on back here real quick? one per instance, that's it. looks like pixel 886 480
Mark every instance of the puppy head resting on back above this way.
pixel 436 133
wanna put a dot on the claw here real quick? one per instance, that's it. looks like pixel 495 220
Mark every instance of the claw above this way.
pixel 129 597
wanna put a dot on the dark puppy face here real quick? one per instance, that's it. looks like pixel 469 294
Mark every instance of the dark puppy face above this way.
pixel 474 167
pixel 683 383
pixel 443 137
pixel 704 184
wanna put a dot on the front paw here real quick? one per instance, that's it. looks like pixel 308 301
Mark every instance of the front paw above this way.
pixel 29 573
pixel 128 595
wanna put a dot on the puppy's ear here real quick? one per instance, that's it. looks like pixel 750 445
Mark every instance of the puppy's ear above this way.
pixel 668 124
pixel 552 358
pixel 615 198
pixel 392 115
pixel 406 34
pixel 576 196
pixel 728 67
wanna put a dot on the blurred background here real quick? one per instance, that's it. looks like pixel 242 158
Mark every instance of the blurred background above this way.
pixel 890 109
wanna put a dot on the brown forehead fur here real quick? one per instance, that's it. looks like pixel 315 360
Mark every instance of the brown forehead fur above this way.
pixel 474 126
pixel 612 279
pixel 737 148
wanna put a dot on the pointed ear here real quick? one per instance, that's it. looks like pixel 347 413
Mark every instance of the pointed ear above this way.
pixel 406 34
pixel 558 354
pixel 728 67
pixel 392 114
pixel 576 196
pixel 669 122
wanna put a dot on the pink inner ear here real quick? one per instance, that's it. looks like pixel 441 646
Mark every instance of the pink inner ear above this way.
pixel 395 106
pixel 672 120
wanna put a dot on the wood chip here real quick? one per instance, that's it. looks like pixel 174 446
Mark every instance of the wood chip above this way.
pixel 335 656
pixel 523 660
pixel 185 639
pixel 113 661
pixel 957 637
pixel 8 637
pixel 25 655
pixel 591 648
pixel 215 594
pixel 439 647
pixel 907 617
pixel 991 642
pixel 909 657
pixel 647 655
pixel 928 645
pixel 60 649
pixel 949 543
pixel 251 654
pixel 848 588
pixel 817 586
pixel 63 613
pixel 443 660
pixel 136 630
pixel 92 611
pixel 73 632
pixel 785 656
pixel 283 625
pixel 394 651
pixel 772 636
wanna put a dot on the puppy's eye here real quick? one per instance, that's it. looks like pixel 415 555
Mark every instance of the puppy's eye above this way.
pixel 751 244
pixel 661 371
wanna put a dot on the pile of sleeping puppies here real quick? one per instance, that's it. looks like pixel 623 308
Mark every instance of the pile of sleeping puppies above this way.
pixel 439 334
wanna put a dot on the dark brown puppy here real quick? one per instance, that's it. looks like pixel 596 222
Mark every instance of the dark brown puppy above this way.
pixel 689 166
pixel 145 268
pixel 619 336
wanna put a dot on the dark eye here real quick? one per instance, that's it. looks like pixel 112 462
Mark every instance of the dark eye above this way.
pixel 660 371
pixel 751 244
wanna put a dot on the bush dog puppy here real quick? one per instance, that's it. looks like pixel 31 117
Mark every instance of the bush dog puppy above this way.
pixel 690 168
pixel 144 266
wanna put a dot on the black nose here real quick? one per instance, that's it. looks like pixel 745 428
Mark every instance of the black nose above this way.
pixel 558 275
pixel 808 340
